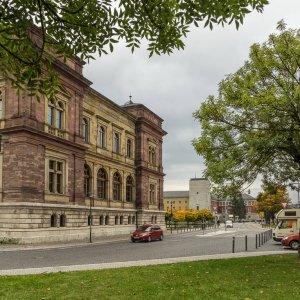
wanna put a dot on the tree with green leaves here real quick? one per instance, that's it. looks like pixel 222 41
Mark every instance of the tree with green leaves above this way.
pixel 85 28
pixel 253 126
pixel 237 207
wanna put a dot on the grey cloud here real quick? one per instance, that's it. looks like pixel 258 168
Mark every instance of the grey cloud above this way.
pixel 174 86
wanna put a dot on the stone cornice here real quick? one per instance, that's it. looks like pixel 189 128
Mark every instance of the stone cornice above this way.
pixel 46 135
pixel 61 206
pixel 112 104
pixel 70 72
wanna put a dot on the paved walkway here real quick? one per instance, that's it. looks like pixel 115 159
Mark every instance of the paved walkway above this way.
pixel 134 263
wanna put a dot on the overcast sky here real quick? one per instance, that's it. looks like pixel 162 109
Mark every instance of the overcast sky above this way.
pixel 174 86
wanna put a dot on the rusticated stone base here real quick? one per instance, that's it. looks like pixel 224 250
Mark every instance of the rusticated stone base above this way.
pixel 31 223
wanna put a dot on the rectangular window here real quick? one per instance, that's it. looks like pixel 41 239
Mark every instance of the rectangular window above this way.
pixel 86 130
pixel 152 197
pixel 101 136
pixel 129 148
pixel 55 177
pixel 116 142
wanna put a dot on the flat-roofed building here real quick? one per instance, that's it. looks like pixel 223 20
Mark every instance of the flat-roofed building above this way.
pixel 176 200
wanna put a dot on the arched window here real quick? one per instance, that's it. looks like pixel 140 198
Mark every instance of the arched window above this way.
pixel 85 130
pixel 106 220
pixel 121 220
pixel 129 148
pixel 59 115
pixel 62 220
pixel 116 220
pixel 55 117
pixel 152 220
pixel 102 184
pixel 129 188
pixel 117 185
pixel 133 220
pixel 116 142
pixel 90 220
pixel 53 220
pixel 101 220
pixel 101 137
pixel 51 112
pixel 129 220
pixel 87 180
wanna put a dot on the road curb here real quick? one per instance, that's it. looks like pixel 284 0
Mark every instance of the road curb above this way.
pixel 102 266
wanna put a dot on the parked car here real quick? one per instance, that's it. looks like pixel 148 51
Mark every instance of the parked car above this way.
pixel 147 233
pixel 229 224
pixel 291 241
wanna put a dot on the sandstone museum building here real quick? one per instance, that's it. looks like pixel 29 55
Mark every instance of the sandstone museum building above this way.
pixel 76 162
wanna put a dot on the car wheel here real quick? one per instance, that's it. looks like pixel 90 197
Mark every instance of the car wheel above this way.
pixel 133 240
pixel 294 244
pixel 149 238
pixel 161 238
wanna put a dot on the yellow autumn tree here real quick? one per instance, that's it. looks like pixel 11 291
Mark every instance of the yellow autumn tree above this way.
pixel 179 216
pixel 270 200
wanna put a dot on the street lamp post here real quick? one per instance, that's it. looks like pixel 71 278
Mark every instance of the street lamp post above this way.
pixel 91 197
pixel 171 217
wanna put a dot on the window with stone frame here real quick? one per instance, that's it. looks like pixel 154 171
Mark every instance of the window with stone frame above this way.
pixel 56 117
pixel 101 220
pixel 56 176
pixel 102 184
pixel 87 181
pixel 152 193
pixel 116 142
pixel 129 148
pixel 101 137
pixel 85 130
pixel 62 220
pixel 53 220
pixel 117 186
pixel 152 155
pixel 129 189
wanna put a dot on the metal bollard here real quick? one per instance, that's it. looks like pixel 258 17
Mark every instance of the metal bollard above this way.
pixel 233 244
pixel 256 246
pixel 246 243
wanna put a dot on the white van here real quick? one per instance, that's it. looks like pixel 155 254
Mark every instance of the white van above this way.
pixel 229 224
pixel 288 222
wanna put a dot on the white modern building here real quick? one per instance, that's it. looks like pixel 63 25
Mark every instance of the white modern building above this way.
pixel 199 194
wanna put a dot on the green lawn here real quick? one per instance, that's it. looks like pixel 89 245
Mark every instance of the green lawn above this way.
pixel 266 277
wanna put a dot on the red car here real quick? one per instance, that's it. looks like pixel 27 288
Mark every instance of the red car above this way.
pixel 291 241
pixel 147 233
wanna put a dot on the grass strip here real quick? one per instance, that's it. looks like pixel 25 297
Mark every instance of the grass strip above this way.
pixel 266 277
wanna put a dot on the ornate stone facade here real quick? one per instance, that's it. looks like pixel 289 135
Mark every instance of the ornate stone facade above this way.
pixel 58 158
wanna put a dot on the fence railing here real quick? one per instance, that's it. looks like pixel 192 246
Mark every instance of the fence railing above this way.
pixel 186 227
pixel 238 243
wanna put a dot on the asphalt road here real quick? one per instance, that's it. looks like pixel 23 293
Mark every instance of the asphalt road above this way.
pixel 176 245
